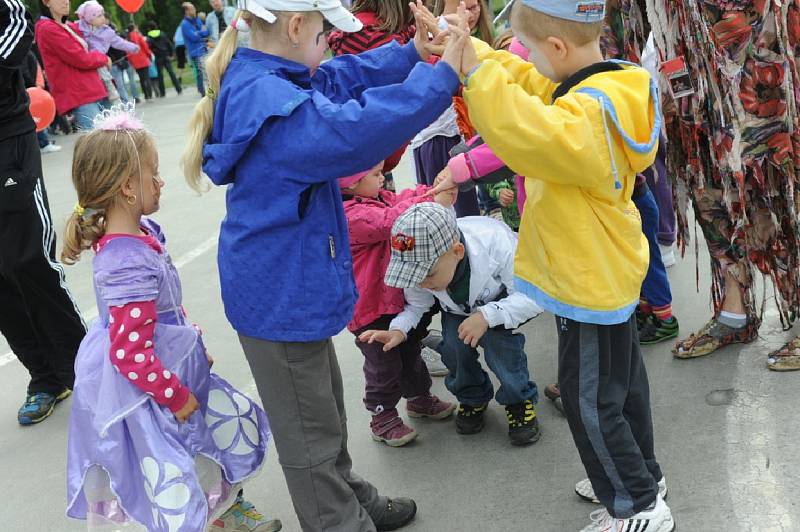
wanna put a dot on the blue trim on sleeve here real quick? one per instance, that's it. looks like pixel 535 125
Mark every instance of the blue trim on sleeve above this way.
pixel 608 105
pixel 583 315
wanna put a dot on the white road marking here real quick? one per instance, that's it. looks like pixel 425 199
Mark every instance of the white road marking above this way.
pixel 179 263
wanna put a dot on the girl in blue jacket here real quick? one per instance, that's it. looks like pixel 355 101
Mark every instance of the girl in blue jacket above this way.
pixel 278 129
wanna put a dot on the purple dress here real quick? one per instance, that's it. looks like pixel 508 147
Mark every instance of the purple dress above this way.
pixel 130 464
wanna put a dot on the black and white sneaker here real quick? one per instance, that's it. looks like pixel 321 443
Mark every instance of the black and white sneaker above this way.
pixel 657 518
pixel 585 490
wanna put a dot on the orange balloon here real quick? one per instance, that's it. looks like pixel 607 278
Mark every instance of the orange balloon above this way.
pixel 130 6
pixel 42 107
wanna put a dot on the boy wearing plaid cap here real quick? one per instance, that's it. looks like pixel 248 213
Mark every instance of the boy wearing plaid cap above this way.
pixel 468 266
pixel 580 129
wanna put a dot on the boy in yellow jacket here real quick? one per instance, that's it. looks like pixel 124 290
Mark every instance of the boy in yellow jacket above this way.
pixel 581 128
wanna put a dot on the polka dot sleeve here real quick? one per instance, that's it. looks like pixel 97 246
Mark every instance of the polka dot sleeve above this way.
pixel 132 327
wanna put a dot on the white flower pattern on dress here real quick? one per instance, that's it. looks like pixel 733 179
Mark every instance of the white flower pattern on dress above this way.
pixel 233 423
pixel 168 495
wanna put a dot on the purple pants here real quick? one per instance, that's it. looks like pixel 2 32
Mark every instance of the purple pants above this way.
pixel 398 373
pixel 661 186
pixel 431 158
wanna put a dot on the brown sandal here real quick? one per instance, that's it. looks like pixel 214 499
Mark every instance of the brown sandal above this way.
pixel 787 358
pixel 713 336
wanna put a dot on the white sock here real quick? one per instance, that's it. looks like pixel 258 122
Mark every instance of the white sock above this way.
pixel 732 320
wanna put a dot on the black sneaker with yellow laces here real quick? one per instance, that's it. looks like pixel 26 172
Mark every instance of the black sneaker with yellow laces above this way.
pixel 470 419
pixel 523 424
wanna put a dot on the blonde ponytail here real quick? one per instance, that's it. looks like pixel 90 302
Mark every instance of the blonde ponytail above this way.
pixel 203 117
pixel 81 232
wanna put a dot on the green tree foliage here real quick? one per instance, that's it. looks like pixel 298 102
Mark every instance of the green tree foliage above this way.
pixel 166 13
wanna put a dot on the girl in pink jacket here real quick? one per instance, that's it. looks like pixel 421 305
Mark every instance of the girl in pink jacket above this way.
pixel 400 372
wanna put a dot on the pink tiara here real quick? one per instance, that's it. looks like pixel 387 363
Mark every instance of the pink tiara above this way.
pixel 120 117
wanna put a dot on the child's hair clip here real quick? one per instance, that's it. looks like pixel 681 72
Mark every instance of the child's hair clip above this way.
pixel 241 25
pixel 119 118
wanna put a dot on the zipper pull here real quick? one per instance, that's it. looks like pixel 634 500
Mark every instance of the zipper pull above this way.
pixel 332 244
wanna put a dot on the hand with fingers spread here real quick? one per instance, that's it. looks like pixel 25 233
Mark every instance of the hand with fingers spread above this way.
pixel 389 339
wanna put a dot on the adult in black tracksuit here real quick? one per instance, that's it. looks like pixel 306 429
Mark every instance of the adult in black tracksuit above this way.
pixel 164 52
pixel 38 317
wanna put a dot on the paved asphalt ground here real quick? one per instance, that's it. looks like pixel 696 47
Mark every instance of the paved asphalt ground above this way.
pixel 727 430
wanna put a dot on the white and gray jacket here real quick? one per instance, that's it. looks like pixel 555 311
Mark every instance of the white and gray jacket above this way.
pixel 491 247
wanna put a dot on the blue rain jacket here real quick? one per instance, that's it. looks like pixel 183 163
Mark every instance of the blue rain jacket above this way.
pixel 194 37
pixel 280 140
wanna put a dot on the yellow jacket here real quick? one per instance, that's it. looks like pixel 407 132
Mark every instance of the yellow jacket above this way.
pixel 581 253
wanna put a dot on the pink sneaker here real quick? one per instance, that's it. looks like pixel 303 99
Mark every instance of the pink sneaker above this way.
pixel 388 428
pixel 429 406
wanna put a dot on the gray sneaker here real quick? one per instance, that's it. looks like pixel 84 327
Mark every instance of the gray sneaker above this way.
pixel 434 362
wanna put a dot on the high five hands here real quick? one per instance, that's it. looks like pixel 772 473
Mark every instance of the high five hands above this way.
pixel 453 44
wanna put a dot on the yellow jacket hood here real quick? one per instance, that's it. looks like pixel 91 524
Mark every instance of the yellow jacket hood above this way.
pixel 623 94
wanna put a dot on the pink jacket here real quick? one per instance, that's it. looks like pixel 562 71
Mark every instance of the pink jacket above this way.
pixel 476 160
pixel 369 224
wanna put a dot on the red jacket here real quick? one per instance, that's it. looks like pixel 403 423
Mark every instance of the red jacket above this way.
pixel 140 59
pixel 71 70
pixel 369 223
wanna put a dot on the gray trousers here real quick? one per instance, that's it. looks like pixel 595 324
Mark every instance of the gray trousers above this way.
pixel 300 385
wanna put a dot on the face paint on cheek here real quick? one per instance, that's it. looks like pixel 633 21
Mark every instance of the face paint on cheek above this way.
pixel 541 62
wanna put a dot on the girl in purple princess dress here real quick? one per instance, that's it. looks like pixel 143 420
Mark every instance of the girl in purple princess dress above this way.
pixel 156 441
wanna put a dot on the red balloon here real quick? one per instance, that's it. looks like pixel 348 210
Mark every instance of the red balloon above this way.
pixel 42 107
pixel 130 6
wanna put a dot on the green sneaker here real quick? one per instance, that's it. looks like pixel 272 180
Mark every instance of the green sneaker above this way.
pixel 655 330
pixel 243 517
pixel 39 406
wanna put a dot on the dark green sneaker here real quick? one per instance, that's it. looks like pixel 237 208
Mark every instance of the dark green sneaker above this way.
pixel 656 330
pixel 398 513
pixel 470 419
pixel 39 406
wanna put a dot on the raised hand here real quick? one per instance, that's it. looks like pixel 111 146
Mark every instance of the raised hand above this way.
pixel 459 36
pixel 426 26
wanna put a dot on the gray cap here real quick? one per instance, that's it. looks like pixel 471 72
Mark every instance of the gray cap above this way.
pixel 420 236
pixel 587 11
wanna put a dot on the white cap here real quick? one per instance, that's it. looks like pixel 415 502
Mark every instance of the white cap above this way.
pixel 332 10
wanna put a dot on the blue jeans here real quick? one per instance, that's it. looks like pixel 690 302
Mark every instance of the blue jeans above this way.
pixel 655 289
pixel 504 352
pixel 119 80
pixel 198 66
pixel 84 114
pixel 43 138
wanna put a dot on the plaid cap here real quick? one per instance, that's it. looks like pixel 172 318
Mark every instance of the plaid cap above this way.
pixel 585 11
pixel 420 236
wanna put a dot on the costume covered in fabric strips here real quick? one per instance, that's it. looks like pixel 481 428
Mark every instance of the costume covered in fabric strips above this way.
pixel 734 141
pixel 130 464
